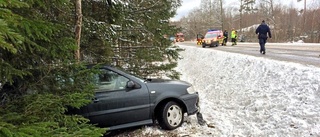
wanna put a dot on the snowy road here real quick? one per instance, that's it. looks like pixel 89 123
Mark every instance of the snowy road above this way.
pixel 304 53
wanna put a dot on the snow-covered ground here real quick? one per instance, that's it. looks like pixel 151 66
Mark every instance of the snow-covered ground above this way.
pixel 242 96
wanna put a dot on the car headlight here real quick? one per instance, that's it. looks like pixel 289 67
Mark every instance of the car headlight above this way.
pixel 191 90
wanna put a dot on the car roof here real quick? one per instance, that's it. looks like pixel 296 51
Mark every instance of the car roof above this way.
pixel 211 32
pixel 214 31
pixel 101 66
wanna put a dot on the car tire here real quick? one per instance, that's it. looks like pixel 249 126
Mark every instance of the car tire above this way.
pixel 203 46
pixel 171 116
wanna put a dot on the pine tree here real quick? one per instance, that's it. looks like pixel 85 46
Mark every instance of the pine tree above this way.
pixel 131 35
pixel 37 77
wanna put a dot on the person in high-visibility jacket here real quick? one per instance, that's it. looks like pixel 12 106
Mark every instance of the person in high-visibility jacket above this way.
pixel 233 37
pixel 236 38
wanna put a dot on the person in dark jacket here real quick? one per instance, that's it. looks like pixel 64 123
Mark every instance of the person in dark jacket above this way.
pixel 262 32
pixel 225 37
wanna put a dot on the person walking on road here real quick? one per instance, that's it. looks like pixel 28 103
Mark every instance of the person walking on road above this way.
pixel 262 31
pixel 225 37
pixel 233 37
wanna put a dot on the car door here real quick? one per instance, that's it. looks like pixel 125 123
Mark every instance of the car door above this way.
pixel 115 104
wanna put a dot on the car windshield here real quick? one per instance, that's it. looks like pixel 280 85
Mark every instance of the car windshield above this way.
pixel 211 35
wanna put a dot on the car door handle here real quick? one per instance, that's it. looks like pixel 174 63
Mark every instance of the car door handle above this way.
pixel 95 100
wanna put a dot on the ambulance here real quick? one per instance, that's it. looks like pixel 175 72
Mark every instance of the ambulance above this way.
pixel 213 38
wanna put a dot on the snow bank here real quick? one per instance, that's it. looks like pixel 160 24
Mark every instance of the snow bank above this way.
pixel 251 96
pixel 246 96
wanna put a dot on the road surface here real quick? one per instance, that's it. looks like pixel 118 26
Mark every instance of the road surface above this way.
pixel 303 53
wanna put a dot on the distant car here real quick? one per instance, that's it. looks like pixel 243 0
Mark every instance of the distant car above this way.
pixel 172 39
pixel 242 38
pixel 212 38
pixel 123 100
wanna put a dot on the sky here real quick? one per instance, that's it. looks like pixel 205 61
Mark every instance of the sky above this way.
pixel 243 96
pixel 188 5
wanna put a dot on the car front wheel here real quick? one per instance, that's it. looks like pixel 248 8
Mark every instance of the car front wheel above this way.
pixel 171 116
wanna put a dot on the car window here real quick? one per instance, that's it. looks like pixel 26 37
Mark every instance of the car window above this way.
pixel 108 80
pixel 133 75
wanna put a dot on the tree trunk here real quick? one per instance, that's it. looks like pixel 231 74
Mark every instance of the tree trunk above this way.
pixel 78 27
pixel 222 15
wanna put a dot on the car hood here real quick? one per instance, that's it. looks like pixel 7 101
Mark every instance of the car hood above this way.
pixel 167 81
pixel 167 85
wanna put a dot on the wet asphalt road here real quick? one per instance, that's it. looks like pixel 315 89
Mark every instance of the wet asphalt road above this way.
pixel 303 53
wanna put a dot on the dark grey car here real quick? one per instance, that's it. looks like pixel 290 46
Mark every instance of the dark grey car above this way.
pixel 123 100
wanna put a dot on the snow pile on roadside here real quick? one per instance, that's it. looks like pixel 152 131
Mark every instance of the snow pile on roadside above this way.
pixel 243 95
pixel 299 41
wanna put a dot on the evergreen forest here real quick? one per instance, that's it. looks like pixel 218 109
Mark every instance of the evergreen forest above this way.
pixel 45 46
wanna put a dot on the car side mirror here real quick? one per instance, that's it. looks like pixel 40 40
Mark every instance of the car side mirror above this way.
pixel 131 85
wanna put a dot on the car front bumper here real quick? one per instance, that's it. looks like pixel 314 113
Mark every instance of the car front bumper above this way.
pixel 192 103
pixel 211 43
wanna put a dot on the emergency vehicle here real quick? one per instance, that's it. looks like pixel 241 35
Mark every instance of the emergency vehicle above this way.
pixel 199 39
pixel 213 38
pixel 179 37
